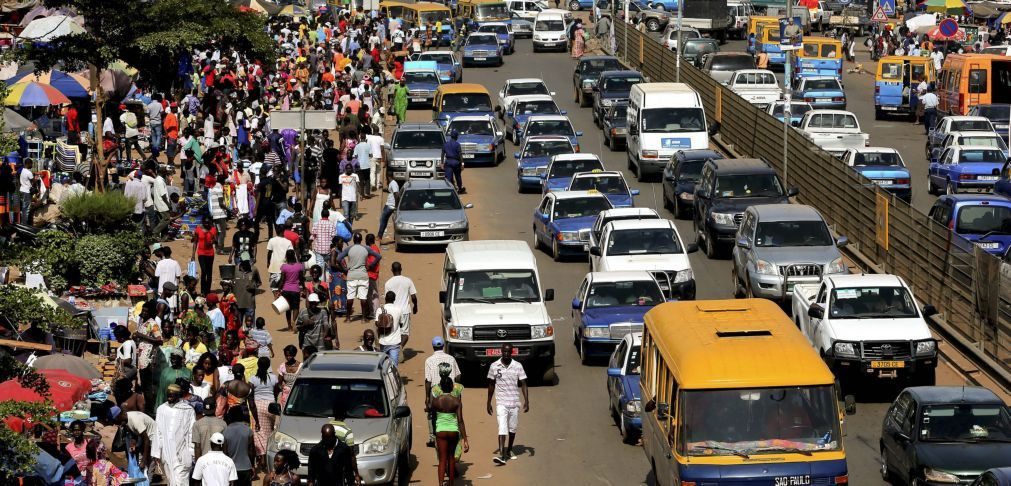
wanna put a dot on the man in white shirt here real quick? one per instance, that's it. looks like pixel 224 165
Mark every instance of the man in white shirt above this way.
pixel 506 379
pixel 388 208
pixel 406 299
pixel 349 193
pixel 277 247
pixel 390 342
pixel 25 179
pixel 215 468
pixel 167 270
pixel 129 121
pixel 149 213
pixel 929 102
pixel 138 191
pixel 160 199
pixel 938 57
pixel 376 150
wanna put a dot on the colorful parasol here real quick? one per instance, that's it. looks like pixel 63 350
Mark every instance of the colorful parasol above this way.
pixel 70 84
pixel 259 6
pixel 946 6
pixel 292 11
pixel 1004 18
pixel 30 93
pixel 68 363
pixel 65 390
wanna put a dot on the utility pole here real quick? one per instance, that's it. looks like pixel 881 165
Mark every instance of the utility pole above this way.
pixel 677 72
pixel 787 89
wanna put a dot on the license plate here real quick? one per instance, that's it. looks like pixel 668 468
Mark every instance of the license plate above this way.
pixel 549 44
pixel 988 245
pixel 793 480
pixel 498 352
pixel 987 178
pixel 432 234
pixel 883 182
pixel 418 100
pixel 480 58
pixel 888 364
pixel 586 247
pixel 468 156
pixel 889 108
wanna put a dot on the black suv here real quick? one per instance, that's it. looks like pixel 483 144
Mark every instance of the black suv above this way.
pixel 611 87
pixel 680 177
pixel 725 189
pixel 584 78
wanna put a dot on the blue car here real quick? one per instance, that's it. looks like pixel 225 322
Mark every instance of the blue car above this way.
pixel 501 30
pixel 521 108
pixel 680 177
pixel 609 183
pixel 797 110
pixel 822 92
pixel 623 395
pixel 962 168
pixel 482 49
pixel 533 158
pixel 551 125
pixel 560 170
pixel 608 306
pixel 450 70
pixel 884 167
pixel 422 80
pixel 983 220
pixel 563 219
pixel 480 138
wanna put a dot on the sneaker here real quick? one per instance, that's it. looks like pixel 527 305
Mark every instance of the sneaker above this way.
pixel 512 456
pixel 499 460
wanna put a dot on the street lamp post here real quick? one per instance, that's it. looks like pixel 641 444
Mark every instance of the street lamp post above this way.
pixel 677 73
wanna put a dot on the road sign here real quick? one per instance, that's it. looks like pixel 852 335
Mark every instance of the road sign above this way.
pixel 888 5
pixel 879 15
pixel 314 119
pixel 948 27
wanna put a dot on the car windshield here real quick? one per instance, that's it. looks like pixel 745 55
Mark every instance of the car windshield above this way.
pixel 495 285
pixel 603 184
pixel 595 66
pixel 822 84
pixel 748 185
pixel 527 88
pixel 620 83
pixel 547 148
pixel 497 29
pixel 652 241
pixel 540 107
pixel 792 233
pixel 466 102
pixel 878 158
pixel 438 58
pixel 980 156
pixel 796 109
pixel 565 168
pixel 419 140
pixel 871 302
pixel 965 422
pixel 971 126
pixel 482 39
pixel 637 293
pixel 332 398
pixel 578 207
pixel 980 219
pixel 550 127
pixel 619 112
pixel 436 16
pixel 549 25
pixel 429 200
pixel 691 169
pixel 732 63
pixel 699 47
pixel 746 422
pixel 993 141
pixel 995 113
pixel 472 127
pixel 412 77
pixel 668 120
pixel 493 10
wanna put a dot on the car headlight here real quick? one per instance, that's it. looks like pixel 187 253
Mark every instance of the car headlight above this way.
pixel 458 224
pixel 606 102
pixel 845 349
pixel 587 83
pixel 279 441
pixel 763 267
pixel 398 163
pixel 568 236
pixel 528 171
pixel 633 407
pixel 726 219
pixel 376 445
pixel 650 154
pixel 596 332
pixel 927 347
pixel 541 331
pixel 933 475
pixel 462 333
pixel 485 147
pixel 837 266
pixel 446 73
pixel 684 276
pixel 402 225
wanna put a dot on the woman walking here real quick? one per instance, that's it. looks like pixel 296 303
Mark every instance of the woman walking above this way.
pixel 204 244
pixel 287 371
pixel 264 385
pixel 338 279
pixel 449 426
pixel 292 280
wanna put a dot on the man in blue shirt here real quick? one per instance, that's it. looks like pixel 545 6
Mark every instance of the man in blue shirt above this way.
pixel 452 161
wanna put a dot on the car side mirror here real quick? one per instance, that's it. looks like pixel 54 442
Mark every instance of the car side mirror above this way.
pixel 549 295
pixel 468 206
pixel 816 311
pixel 516 155
pixel 850 404
pixel 579 134
pixel 552 93
pixel 743 243
pixel 386 146
pixel 595 250
pixel 929 310
pixel 274 408
pixel 691 247
pixel 442 296
pixel 614 372
pixel 564 112
pixel 576 304
pixel 402 412
pixel 793 191
pixel 662 411
pixel 842 242
pixel 634 192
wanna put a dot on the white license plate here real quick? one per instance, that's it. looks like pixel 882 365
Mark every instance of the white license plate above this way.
pixel 432 234
pixel 884 182
pixel 793 480
pixel 418 100
pixel 480 58
pixel 889 108
pixel 549 44
pixel 468 156
pixel 988 245
pixel 987 178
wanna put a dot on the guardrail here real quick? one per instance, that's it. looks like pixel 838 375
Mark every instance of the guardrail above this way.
pixel 962 281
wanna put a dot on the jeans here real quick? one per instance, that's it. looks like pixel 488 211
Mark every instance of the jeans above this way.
pixel 454 171
pixel 929 115
pixel 384 219
pixel 394 353
pixel 171 144
pixel 134 143
pixel 267 211
pixel 321 261
pixel 151 217
pixel 350 209
pixel 25 198
pixel 206 272
pixel 156 133
pixel 363 179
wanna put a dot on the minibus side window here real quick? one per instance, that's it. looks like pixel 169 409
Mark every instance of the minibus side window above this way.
pixel 977 81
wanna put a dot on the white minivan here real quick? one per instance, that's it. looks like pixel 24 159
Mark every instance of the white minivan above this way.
pixel 549 32
pixel 662 119
pixel 491 295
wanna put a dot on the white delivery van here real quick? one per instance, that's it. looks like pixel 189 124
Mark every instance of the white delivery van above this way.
pixel 662 119
pixel 491 295
pixel 549 32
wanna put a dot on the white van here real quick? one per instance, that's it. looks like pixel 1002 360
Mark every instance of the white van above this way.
pixel 549 32
pixel 491 295
pixel 741 11
pixel 662 119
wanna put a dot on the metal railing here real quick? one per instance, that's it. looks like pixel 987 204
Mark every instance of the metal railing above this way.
pixel 963 282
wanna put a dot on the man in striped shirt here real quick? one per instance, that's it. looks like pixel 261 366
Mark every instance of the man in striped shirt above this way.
pixel 320 236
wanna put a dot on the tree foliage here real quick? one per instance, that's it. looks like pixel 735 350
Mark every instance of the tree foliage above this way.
pixel 17 452
pixel 98 212
pixel 22 305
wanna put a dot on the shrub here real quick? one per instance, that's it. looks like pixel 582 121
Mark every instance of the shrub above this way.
pixel 98 212
pixel 22 305
pixel 52 257
pixel 105 258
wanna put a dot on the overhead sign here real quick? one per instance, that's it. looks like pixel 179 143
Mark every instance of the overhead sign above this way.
pixel 314 119
pixel 879 15
pixel 888 6
pixel 948 27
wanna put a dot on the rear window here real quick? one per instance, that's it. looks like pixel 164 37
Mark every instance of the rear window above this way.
pixel 877 158
pixel 970 126
pixel 755 78
pixel 823 84
pixel 833 120
pixel 732 63
pixel 549 25
pixel 995 113
pixel 973 156
pixel 796 109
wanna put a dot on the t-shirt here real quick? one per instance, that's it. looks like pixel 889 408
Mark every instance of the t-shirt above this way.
pixel 26 180
pixel 215 469
pixel 237 437
pixel 204 428
pixel 127 350
pixel 349 187
pixel 393 338
pixel 290 276
pixel 167 270
pixel 404 288
pixel 507 388
pixel 363 151
pixel 159 194
pixel 278 246
pixel 217 192
pixel 263 390
pixel 140 423
pixel 391 198
pixel 205 240
pixel 262 337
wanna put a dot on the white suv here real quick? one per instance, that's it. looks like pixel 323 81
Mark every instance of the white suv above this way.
pixel 653 245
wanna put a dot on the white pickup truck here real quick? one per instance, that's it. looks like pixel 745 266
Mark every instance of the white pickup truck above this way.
pixel 835 131
pixel 867 326
pixel 757 86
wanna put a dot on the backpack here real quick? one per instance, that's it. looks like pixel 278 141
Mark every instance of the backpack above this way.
pixel 384 322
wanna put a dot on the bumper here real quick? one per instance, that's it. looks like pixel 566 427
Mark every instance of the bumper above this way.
pixel 482 60
pixel 774 287
pixel 573 247
pixel 880 368
pixel 981 186
pixel 479 158
pixel 829 105
pixel 378 469
pixel 476 351
pixel 651 166
pixel 895 108
pixel 632 424
pixel 683 290
pixel 560 45
pixel 597 347
pixel 433 237
pixel 722 234
pixel 530 182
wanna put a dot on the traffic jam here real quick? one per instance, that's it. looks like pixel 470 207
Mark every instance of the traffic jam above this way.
pixel 755 389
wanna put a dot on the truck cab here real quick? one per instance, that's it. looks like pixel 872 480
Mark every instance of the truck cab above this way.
pixel 833 130
pixel 757 86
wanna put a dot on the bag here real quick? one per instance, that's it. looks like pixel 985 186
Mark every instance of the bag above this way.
pixel 342 231
pixel 191 269
pixel 384 322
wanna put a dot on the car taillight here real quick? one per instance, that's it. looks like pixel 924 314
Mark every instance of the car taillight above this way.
pixel 809 100
pixel 902 181
pixel 844 479
pixel 877 89
pixel 966 177
pixel 838 99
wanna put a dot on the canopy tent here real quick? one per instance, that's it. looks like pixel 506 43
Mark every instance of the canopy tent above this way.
pixel 292 11
pixel 261 6
pixel 41 11
pixel 74 365
pixel 14 122
pixel 30 93
pixel 70 84
pixel 48 28
pixel 12 5
pixel 921 23
pixel 984 10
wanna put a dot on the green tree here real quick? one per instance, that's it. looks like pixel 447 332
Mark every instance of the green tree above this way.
pixel 17 452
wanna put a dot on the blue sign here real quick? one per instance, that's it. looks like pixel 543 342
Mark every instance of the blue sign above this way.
pixel 676 143
pixel 888 6
pixel 948 27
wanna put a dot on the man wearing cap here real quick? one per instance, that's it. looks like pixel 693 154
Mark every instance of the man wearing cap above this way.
pixel 171 373
pixel 452 161
pixel 439 356
pixel 313 325
pixel 206 426
pixel 171 445
pixel 215 468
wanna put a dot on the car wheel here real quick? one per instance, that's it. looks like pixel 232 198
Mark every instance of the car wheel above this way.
pixel 885 474
pixel 739 291
pixel 640 175
pixel 584 358
pixel 596 121
pixel 607 142
pixel 950 188
pixel 878 114
pixel 537 241
pixel 679 212
pixel 710 246
pixel 574 5
pixel 748 292
pixel 556 253
pixel 575 337
pixel 615 417
pixel 930 187
pixel 653 25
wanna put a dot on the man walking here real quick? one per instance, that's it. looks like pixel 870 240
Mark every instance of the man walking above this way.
pixel 405 292
pixel 349 192
pixel 160 198
pixel 388 208
pixel 452 161
pixel 363 152
pixel 432 378
pixel 320 237
pixel 215 468
pixel 506 379
pixel 330 461
pixel 205 428
pixel 239 445
pixel 313 324
pixel 929 102
pixel 388 327
pixel 174 434
pixel 167 270
pixel 357 275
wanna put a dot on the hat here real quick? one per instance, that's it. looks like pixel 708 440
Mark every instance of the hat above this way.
pixel 454 133
pixel 212 298
pixel 178 352
pixel 437 342
pixel 313 297
pixel 170 286
pixel 114 412
pixel 217 438
pixel 174 388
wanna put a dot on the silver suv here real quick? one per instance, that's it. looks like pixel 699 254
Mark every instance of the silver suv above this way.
pixel 415 152
pixel 780 245
pixel 366 389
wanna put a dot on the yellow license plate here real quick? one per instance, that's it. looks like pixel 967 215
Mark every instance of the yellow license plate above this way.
pixel 888 364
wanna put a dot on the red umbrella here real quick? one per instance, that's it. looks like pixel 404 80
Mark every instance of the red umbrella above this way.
pixel 935 35
pixel 65 390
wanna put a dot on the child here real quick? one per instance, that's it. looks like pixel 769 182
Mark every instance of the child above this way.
pixel 262 337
